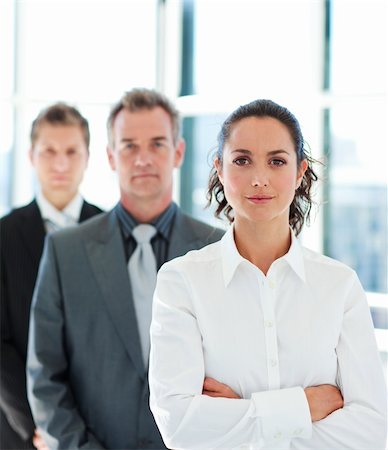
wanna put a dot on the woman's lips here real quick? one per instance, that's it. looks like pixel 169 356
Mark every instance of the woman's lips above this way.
pixel 260 199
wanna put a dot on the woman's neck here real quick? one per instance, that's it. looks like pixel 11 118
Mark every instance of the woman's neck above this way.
pixel 263 243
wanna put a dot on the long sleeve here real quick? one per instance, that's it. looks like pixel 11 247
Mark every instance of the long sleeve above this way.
pixel 13 398
pixel 186 418
pixel 53 405
pixel 362 422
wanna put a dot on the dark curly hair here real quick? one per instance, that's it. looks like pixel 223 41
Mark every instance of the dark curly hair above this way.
pixel 300 207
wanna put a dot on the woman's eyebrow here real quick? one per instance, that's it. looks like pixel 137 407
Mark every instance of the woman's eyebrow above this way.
pixel 242 150
pixel 271 152
pixel 276 152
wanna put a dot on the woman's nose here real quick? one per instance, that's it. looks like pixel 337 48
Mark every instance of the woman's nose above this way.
pixel 260 179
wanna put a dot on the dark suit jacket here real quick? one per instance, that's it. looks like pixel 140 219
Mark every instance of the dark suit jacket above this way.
pixel 87 383
pixel 22 235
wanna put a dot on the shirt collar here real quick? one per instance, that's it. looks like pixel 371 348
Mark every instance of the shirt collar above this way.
pixel 294 257
pixel 162 223
pixel 68 216
pixel 231 258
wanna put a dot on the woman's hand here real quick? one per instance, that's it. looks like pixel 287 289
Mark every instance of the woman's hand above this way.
pixel 214 388
pixel 323 400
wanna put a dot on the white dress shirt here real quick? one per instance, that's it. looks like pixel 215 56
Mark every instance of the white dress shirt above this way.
pixel 268 337
pixel 55 219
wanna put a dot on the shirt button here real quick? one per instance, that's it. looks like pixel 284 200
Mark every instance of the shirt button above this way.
pixel 278 435
pixel 268 323
pixel 273 362
pixel 271 284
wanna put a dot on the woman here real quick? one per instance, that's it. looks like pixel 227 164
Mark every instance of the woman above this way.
pixel 256 341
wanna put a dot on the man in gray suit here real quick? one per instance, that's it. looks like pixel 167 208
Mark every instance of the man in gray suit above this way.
pixel 87 376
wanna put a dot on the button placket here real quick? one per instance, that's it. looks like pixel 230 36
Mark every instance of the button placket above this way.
pixel 267 288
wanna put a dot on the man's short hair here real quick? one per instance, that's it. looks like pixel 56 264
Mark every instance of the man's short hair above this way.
pixel 60 114
pixel 139 99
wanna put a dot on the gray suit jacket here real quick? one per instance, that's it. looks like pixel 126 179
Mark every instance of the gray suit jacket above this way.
pixel 87 384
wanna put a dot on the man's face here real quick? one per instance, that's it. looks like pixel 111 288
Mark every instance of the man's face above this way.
pixel 59 156
pixel 144 155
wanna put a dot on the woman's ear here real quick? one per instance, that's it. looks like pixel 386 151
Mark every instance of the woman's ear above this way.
pixel 218 167
pixel 301 171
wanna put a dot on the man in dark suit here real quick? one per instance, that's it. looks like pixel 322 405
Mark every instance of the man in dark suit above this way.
pixel 59 154
pixel 87 358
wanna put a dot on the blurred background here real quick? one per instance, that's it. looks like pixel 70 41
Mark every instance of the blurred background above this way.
pixel 326 60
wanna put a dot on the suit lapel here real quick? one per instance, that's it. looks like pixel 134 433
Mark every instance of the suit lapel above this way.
pixel 32 231
pixel 184 236
pixel 88 211
pixel 107 259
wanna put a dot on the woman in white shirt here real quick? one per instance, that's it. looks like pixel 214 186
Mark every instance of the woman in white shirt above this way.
pixel 256 341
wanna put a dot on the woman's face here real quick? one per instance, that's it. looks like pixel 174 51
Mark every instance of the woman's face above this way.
pixel 259 170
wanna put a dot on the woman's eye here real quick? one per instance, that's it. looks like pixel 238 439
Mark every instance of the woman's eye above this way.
pixel 277 162
pixel 241 161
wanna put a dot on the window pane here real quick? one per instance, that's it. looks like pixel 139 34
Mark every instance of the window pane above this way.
pixel 200 133
pixel 359 46
pixel 357 208
pixel 7 43
pixel 257 47
pixel 100 185
pixel 87 50
pixel 6 136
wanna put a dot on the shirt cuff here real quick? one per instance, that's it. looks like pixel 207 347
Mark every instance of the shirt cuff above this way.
pixel 284 414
